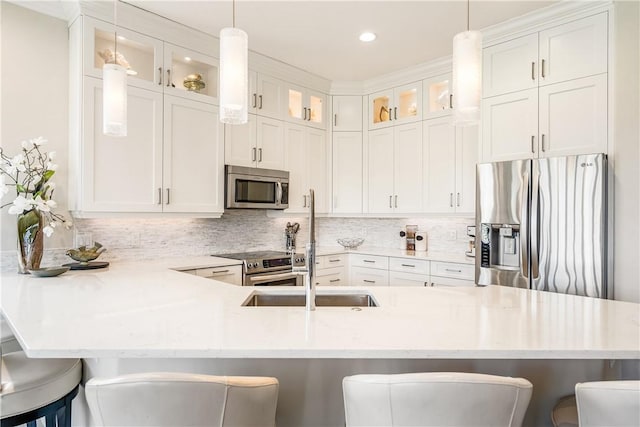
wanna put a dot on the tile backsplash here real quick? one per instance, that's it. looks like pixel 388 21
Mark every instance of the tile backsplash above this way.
pixel 244 230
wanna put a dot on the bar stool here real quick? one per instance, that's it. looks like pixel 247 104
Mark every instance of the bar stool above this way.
pixel 36 388
pixel 435 399
pixel 608 403
pixel 170 399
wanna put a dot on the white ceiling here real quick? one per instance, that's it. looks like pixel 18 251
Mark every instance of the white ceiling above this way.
pixel 322 36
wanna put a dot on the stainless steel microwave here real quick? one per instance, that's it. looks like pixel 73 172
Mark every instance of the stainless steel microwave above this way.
pixel 254 188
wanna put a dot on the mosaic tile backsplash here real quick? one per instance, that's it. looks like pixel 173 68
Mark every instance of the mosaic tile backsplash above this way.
pixel 243 230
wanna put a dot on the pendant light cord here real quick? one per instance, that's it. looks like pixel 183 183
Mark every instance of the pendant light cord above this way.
pixel 234 13
pixel 115 31
pixel 468 14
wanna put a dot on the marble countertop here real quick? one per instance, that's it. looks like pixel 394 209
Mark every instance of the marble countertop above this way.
pixel 147 309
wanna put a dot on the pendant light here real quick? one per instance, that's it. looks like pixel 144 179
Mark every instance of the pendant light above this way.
pixel 467 76
pixel 114 90
pixel 234 74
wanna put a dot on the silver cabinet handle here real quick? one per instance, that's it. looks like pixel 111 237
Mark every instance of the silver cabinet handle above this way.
pixel 368 260
pixel 259 154
pixel 335 280
pixel 305 114
pixel 458 199
pixel 334 260
pixel 159 196
pixel 395 113
pixel 396 201
pixel 159 76
pixel 260 103
pixel 542 69
pixel 253 154
pixel 533 70
pixel 309 118
pixel 369 281
pixel 255 101
pixel 335 120
pixel 169 78
pixel 390 201
pixel 533 146
pixel 451 101
pixel 451 270
pixel 542 143
pixel 168 195
pixel 450 200
pixel 408 265
pixel 219 271
pixel 305 200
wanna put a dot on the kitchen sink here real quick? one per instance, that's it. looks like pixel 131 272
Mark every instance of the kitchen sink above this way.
pixel 260 299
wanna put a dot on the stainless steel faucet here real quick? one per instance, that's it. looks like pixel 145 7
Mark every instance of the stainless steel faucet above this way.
pixel 310 255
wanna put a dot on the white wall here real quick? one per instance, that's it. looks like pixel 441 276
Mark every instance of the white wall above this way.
pixel 626 130
pixel 34 100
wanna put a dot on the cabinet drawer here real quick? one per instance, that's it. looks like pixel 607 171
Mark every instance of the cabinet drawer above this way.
pixel 336 277
pixel 370 261
pixel 409 265
pixel 361 276
pixel 230 274
pixel 331 261
pixel 448 281
pixel 397 278
pixel 453 270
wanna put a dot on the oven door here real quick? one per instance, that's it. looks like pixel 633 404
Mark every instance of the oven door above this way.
pixel 273 279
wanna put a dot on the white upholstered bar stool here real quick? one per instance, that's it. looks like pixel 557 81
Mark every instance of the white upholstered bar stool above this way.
pixel 608 403
pixel 37 388
pixel 435 399
pixel 162 399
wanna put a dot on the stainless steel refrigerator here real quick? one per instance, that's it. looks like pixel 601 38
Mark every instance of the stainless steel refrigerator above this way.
pixel 542 224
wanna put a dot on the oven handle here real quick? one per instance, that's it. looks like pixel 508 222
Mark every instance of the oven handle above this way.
pixel 271 277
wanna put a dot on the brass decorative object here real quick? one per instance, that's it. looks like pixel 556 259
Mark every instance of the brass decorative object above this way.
pixel 83 254
pixel 194 82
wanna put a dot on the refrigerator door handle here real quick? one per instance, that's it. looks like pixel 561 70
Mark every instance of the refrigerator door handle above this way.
pixel 535 224
pixel 524 228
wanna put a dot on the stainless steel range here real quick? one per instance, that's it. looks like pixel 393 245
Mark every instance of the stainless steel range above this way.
pixel 268 268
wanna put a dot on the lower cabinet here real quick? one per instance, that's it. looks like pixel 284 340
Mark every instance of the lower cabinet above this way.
pixel 452 274
pixel 397 278
pixel 331 270
pixel 408 272
pixel 363 276
pixel 230 273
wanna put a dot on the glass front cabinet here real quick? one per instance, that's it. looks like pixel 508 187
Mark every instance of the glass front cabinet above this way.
pixel 437 97
pixel 306 106
pixel 402 104
pixel 151 63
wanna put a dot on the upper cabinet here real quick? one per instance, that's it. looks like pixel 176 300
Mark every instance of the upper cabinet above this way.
pixel 402 104
pixel 259 143
pixel 151 64
pixel 437 99
pixel 347 113
pixel 306 106
pixel 565 52
pixel 266 95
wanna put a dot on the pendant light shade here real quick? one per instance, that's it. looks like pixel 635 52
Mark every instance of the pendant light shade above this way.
pixel 114 93
pixel 234 76
pixel 467 77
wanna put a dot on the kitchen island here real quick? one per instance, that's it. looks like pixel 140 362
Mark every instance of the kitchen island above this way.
pixel 147 316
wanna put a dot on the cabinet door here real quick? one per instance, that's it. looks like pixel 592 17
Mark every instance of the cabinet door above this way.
pixel 193 169
pixel 439 165
pixel 317 110
pixel 253 92
pixel 296 162
pixel 270 147
pixel 397 278
pixel 467 148
pixel 240 143
pixel 347 172
pixel 407 162
pixel 380 171
pixel 270 97
pixel 573 117
pixel 437 99
pixel 408 103
pixel 318 168
pixel 361 276
pixel 190 74
pixel 510 126
pixel 347 113
pixel 104 187
pixel 381 109
pixel 574 50
pixel 141 55
pixel 296 104
pixel 510 66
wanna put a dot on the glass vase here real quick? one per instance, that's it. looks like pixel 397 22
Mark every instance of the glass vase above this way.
pixel 30 240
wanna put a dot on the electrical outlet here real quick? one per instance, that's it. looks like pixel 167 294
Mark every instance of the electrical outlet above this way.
pixel 451 235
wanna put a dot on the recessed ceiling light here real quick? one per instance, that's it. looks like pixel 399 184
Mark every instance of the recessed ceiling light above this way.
pixel 367 37
pixel 186 58
pixel 121 38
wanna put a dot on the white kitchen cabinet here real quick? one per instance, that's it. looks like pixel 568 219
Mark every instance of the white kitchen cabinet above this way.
pixel 347 172
pixel 305 106
pixel 394 169
pixel 347 113
pixel 398 278
pixel 450 158
pixel 452 274
pixel 569 51
pixel 229 274
pixel 369 261
pixel 257 143
pixel 192 145
pixel 573 117
pixel 401 104
pixel 437 98
pixel 362 276
pixel 306 160
pixel 181 65
pixel 331 270
pixel 409 265
pixel 268 99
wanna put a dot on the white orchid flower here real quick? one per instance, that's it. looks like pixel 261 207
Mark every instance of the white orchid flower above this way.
pixel 48 231
pixel 35 179
pixel 52 155
pixel 51 185
pixel 41 205
pixel 53 224
pixel 52 166
pixel 68 224
pixel 27 144
pixel 20 204
pixel 16 164
pixel 51 203
pixel 39 141
pixel 4 188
